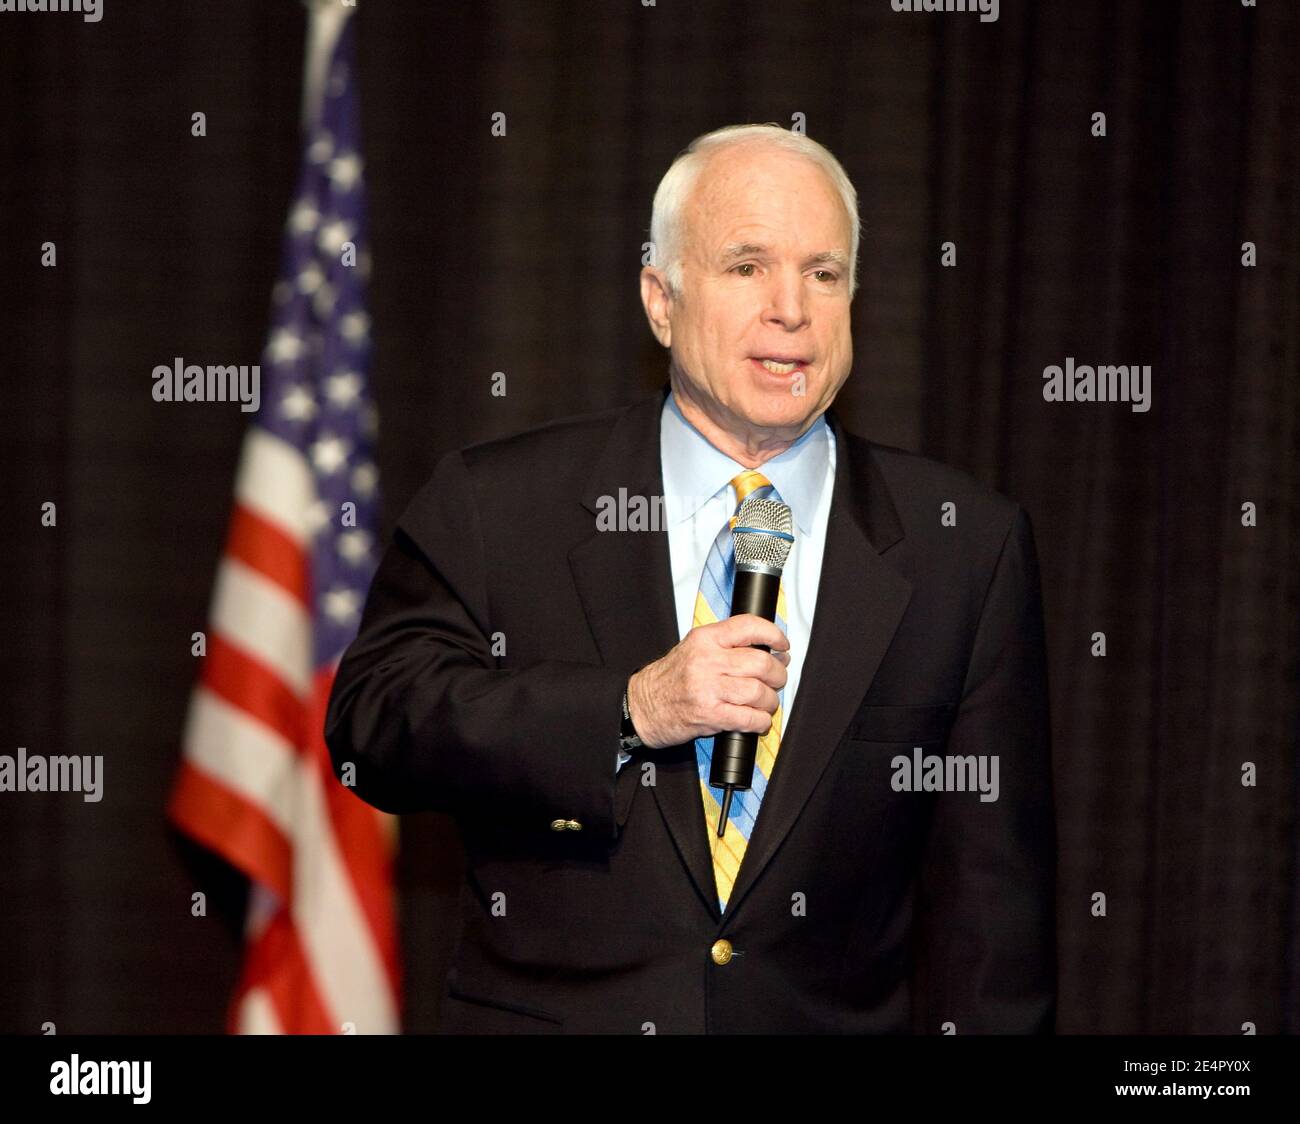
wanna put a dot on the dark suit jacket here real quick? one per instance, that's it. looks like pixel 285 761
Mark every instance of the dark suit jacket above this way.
pixel 487 681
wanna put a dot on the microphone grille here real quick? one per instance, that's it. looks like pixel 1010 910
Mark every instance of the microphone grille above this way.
pixel 767 536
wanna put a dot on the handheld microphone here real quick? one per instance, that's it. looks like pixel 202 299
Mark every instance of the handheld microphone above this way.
pixel 763 537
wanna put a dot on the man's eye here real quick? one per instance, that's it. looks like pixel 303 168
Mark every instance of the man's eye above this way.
pixel 826 275
pixel 744 265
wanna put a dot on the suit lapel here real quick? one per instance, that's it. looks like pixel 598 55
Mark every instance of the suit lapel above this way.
pixel 623 577
pixel 624 580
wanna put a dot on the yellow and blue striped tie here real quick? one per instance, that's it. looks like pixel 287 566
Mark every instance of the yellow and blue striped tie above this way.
pixel 713 603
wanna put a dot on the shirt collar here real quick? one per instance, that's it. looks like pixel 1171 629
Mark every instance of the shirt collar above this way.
pixel 694 471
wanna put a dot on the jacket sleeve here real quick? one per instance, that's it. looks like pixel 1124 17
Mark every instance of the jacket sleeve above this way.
pixel 986 951
pixel 427 718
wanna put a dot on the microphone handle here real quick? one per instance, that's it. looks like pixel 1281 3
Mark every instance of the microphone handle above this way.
pixel 732 766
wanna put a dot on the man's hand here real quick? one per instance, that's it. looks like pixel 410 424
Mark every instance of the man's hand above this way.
pixel 714 680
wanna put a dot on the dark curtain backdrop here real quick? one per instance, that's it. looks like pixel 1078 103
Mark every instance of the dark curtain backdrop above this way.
pixel 520 254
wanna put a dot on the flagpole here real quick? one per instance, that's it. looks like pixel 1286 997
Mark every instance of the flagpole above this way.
pixel 325 21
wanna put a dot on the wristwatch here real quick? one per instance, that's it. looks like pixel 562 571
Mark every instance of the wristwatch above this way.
pixel 627 735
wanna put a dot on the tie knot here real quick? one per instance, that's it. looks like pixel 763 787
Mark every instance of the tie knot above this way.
pixel 748 481
pixel 746 484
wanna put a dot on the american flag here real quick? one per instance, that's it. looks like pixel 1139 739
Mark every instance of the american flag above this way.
pixel 256 784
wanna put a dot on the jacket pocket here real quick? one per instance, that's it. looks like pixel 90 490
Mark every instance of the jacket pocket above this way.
pixel 464 1013
pixel 901 723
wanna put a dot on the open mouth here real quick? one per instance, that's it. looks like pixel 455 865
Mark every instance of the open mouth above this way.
pixel 781 366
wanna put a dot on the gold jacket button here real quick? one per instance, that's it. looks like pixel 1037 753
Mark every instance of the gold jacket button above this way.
pixel 721 952
pixel 573 825
pixel 559 825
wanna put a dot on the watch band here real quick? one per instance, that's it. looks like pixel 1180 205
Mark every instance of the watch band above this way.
pixel 627 737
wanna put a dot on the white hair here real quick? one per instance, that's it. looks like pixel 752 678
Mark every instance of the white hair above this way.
pixel 674 191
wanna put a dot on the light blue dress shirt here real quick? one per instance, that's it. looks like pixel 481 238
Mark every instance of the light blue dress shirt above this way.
pixel 699 499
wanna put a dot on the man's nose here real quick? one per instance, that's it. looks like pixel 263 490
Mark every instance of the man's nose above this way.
pixel 786 300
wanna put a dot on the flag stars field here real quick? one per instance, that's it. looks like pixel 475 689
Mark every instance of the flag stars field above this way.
pixel 298 404
pixel 285 346
pixel 324 300
pixel 304 218
pixel 365 479
pixel 354 546
pixel 316 518
pixel 342 604
pixel 355 327
pixel 342 388
pixel 329 454
pixel 322 148
pixel 345 171
pixel 311 278
pixel 332 236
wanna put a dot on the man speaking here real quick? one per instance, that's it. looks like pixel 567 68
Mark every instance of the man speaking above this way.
pixel 553 673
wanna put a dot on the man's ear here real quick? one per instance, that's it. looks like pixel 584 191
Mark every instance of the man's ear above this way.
pixel 657 302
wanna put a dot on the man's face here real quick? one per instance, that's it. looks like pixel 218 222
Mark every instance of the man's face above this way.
pixel 755 286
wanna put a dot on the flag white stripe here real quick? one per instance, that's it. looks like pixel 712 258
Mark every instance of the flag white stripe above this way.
pixel 241 753
pixel 257 1013
pixel 257 616
pixel 275 481
pixel 331 926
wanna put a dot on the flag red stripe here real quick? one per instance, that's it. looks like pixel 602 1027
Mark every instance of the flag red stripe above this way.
pixel 245 682
pixel 237 830
pixel 276 963
pixel 262 546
